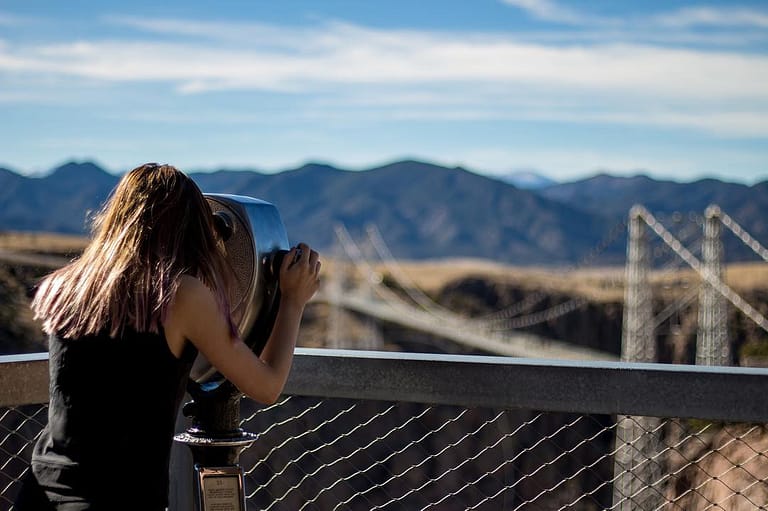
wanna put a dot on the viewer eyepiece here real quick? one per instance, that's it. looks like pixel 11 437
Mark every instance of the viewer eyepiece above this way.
pixel 223 224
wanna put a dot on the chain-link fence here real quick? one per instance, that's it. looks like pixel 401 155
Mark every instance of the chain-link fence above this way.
pixel 320 454
pixel 19 427
pixel 331 452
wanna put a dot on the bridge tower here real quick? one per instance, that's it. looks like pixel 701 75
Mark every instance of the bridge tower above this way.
pixel 712 343
pixel 636 464
pixel 638 340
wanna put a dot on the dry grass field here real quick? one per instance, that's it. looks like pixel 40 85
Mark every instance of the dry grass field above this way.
pixel 42 243
pixel 596 284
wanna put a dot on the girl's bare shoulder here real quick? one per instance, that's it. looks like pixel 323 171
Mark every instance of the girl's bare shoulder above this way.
pixel 193 292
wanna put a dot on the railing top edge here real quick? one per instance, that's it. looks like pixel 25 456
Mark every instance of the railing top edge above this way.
pixel 520 361
pixel 479 359
pixel 23 357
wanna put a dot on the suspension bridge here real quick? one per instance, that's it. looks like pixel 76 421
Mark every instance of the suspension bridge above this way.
pixel 500 333
pixel 638 439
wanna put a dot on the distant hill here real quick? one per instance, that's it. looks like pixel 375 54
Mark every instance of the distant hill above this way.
pixel 612 196
pixel 422 210
pixel 57 202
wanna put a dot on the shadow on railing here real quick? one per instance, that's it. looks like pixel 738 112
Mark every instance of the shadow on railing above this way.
pixel 371 430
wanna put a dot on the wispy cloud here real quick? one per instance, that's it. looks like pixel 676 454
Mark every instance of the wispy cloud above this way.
pixel 715 17
pixel 554 12
pixel 354 55
pixel 686 17
pixel 424 74
pixel 245 32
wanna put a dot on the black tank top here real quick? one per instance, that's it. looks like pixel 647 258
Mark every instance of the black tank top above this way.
pixel 111 417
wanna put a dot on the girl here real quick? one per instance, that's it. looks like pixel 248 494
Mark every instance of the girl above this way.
pixel 125 322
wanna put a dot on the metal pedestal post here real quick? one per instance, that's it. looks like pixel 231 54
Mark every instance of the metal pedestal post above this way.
pixel 216 440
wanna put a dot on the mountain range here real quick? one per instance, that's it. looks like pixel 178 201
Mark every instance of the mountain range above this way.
pixel 422 210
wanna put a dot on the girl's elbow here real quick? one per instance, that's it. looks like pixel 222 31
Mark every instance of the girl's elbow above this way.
pixel 265 389
pixel 265 396
pixel 272 398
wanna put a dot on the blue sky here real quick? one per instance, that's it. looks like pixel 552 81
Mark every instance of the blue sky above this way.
pixel 674 89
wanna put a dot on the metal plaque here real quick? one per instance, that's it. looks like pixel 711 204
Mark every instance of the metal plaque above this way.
pixel 220 488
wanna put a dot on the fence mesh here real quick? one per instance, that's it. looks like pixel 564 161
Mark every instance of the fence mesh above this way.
pixel 334 454
pixel 19 428
pixel 338 454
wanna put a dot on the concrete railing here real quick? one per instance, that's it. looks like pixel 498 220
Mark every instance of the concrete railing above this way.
pixel 481 431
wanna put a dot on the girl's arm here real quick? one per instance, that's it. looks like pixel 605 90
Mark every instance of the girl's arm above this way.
pixel 195 316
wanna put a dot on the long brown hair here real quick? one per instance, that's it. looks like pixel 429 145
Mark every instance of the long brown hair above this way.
pixel 156 227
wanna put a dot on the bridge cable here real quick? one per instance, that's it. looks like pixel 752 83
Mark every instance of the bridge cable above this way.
pixel 743 235
pixel 504 316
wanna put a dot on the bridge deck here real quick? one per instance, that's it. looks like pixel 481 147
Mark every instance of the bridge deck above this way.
pixel 463 331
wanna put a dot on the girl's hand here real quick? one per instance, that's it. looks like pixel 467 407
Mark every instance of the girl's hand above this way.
pixel 299 275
